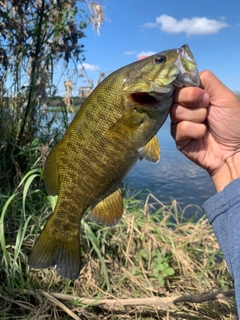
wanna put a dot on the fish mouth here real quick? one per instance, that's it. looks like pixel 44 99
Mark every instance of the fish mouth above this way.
pixel 144 98
pixel 187 66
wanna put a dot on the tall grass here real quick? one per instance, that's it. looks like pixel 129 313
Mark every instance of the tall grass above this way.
pixel 144 256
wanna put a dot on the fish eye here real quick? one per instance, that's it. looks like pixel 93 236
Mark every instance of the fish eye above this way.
pixel 160 59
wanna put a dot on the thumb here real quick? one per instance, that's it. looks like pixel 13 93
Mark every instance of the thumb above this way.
pixel 217 91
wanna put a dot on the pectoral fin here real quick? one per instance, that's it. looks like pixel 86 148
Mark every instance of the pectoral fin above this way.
pixel 109 211
pixel 129 121
pixel 151 150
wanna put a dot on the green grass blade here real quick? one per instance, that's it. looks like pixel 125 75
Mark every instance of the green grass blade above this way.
pixel 2 230
pixel 29 179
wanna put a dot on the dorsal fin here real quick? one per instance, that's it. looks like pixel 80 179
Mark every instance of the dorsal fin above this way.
pixel 151 150
pixel 109 211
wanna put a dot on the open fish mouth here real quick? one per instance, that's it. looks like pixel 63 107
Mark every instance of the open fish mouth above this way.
pixel 187 66
pixel 144 98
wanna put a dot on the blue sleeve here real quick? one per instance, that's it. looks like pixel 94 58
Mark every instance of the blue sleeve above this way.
pixel 223 212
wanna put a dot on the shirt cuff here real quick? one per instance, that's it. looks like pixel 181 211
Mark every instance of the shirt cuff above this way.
pixel 223 200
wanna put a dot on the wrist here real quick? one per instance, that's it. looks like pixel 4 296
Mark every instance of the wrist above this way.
pixel 229 172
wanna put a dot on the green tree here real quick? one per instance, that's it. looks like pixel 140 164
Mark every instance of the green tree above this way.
pixel 34 37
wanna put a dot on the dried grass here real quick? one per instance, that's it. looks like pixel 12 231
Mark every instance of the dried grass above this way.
pixel 158 267
pixel 97 15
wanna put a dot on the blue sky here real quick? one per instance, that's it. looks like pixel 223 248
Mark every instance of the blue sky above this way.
pixel 134 27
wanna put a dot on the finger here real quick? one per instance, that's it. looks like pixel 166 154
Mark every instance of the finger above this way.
pixel 179 113
pixel 191 97
pixel 211 83
pixel 186 131
pixel 216 89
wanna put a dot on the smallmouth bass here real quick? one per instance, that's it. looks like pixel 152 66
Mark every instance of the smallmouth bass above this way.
pixel 115 126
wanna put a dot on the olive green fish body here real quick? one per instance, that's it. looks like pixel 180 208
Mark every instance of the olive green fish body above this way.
pixel 116 125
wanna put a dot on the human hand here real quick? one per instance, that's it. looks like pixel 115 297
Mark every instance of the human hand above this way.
pixel 206 128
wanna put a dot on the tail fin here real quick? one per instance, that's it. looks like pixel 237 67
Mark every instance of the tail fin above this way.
pixel 61 253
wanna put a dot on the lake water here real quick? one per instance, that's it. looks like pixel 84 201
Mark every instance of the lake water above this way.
pixel 173 177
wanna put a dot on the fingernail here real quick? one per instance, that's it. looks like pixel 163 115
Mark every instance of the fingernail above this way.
pixel 205 99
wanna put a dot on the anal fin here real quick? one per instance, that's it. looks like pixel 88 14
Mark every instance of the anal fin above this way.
pixel 109 211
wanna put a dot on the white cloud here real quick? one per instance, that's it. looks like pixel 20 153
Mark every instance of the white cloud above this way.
pixel 129 52
pixel 145 54
pixel 150 25
pixel 192 26
pixel 88 66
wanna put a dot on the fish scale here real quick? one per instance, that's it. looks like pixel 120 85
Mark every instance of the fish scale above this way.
pixel 116 125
